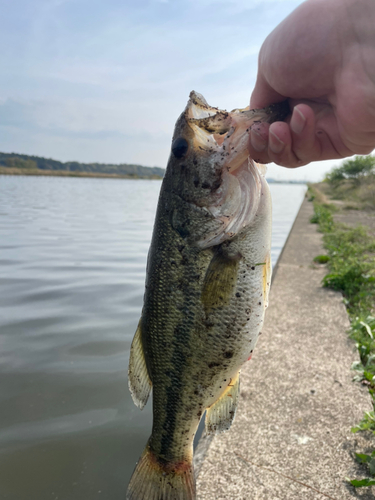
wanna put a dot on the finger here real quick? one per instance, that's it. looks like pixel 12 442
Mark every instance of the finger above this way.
pixel 272 143
pixel 280 149
pixel 258 142
pixel 296 144
pixel 304 140
pixel 311 135
pixel 333 140
pixel 316 134
pixel 305 143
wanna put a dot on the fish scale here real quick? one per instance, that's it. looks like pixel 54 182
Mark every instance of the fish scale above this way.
pixel 208 277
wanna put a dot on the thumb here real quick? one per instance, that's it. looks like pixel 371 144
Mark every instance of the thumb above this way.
pixel 263 94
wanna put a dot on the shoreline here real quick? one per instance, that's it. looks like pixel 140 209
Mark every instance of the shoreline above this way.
pixel 64 173
pixel 292 436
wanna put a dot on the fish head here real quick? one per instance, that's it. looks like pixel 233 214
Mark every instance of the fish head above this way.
pixel 210 168
pixel 195 173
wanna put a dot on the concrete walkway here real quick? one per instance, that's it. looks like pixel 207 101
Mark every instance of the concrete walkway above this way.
pixel 298 401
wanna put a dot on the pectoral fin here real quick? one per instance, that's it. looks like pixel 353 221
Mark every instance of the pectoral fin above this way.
pixel 220 415
pixel 219 282
pixel 139 381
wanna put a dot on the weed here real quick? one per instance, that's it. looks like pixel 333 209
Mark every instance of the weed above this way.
pixel 367 423
pixel 321 259
pixel 323 217
pixel 369 460
pixel 351 266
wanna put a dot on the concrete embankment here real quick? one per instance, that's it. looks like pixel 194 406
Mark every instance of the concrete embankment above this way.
pixel 291 437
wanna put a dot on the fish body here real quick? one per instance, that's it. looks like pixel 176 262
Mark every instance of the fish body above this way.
pixel 208 277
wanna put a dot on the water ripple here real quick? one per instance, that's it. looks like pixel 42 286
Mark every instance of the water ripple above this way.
pixel 72 270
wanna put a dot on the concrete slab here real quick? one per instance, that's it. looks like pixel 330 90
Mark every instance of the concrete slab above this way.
pixel 291 437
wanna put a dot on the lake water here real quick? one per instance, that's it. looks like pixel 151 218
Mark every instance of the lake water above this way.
pixel 72 268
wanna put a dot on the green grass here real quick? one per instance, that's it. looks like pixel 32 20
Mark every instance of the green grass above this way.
pixel 323 216
pixel 351 264
pixel 321 259
pixel 351 267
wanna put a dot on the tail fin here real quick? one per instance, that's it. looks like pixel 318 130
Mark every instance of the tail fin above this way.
pixel 153 480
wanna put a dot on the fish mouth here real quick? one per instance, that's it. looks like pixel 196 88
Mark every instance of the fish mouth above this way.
pixel 210 126
pixel 227 133
pixel 221 137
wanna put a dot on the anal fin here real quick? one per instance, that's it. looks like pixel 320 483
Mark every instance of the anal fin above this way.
pixel 139 381
pixel 267 274
pixel 220 415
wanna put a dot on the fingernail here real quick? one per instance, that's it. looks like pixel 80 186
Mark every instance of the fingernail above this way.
pixel 276 145
pixel 298 121
pixel 257 141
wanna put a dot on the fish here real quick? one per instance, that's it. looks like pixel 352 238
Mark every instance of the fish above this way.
pixel 207 283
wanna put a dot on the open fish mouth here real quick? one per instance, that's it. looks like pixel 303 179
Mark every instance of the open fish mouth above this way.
pixel 221 137
pixel 217 130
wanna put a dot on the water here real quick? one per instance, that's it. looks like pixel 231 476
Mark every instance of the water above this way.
pixel 72 267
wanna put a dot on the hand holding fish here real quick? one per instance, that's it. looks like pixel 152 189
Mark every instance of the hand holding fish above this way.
pixel 322 58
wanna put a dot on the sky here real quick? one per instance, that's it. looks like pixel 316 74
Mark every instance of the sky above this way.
pixel 105 81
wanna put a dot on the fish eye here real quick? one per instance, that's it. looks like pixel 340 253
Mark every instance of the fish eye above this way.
pixel 180 147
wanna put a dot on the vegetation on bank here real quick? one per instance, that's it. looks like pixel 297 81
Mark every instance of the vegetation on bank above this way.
pixel 350 259
pixel 353 183
pixel 64 173
pixel 13 164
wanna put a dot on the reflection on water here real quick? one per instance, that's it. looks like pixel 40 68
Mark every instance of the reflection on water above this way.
pixel 72 266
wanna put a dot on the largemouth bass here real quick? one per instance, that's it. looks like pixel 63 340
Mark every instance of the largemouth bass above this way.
pixel 208 277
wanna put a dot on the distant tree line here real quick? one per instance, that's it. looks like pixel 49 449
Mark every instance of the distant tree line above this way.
pixel 14 160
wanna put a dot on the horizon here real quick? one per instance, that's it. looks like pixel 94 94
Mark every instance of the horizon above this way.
pixel 269 179
pixel 105 83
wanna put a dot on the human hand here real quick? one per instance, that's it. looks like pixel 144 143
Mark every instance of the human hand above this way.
pixel 322 58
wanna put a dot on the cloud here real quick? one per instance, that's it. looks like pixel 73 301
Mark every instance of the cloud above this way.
pixel 49 129
pixel 106 81
pixel 52 130
pixel 15 114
